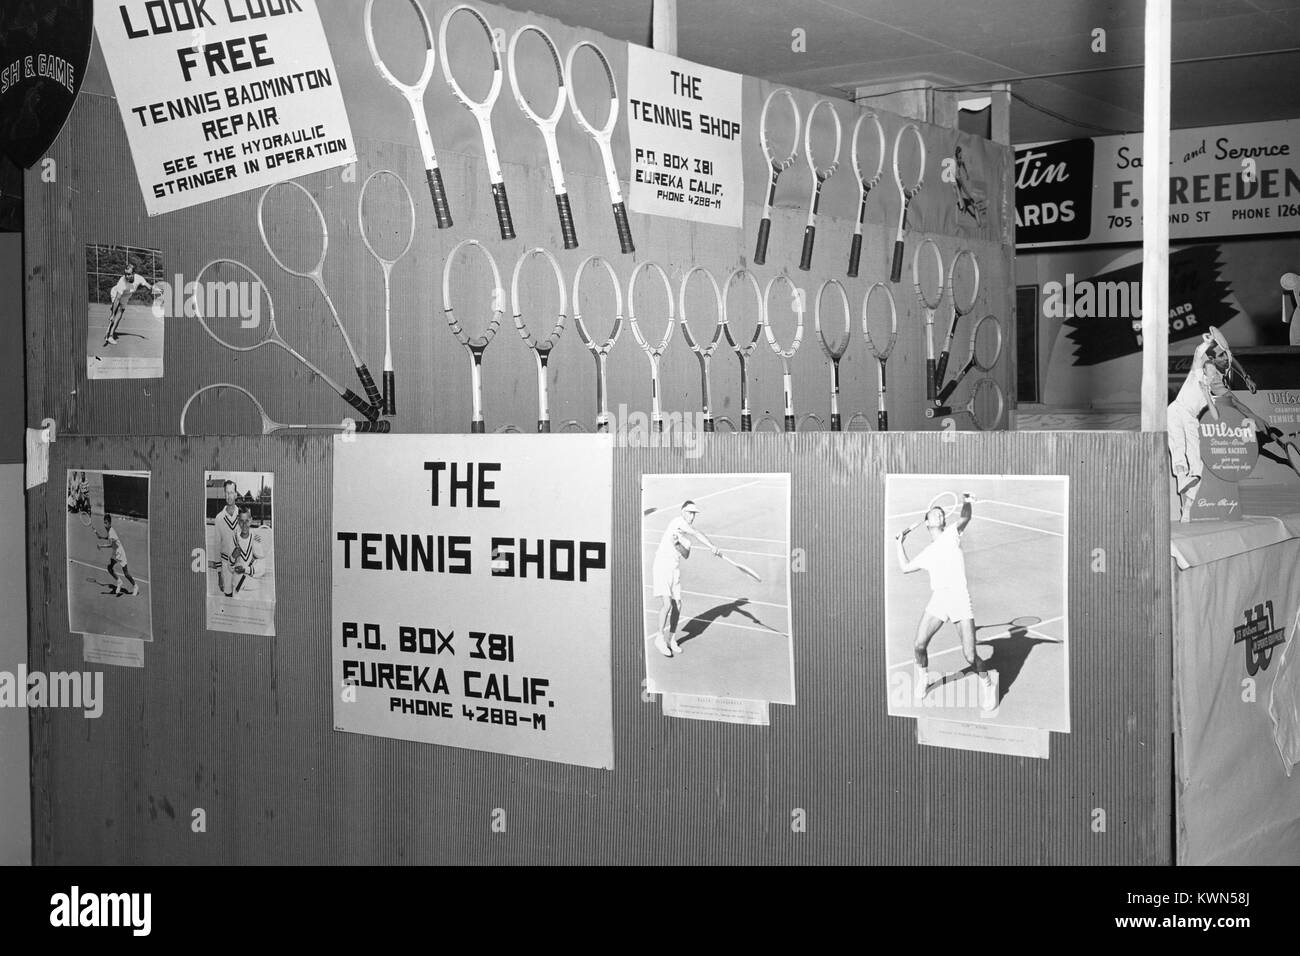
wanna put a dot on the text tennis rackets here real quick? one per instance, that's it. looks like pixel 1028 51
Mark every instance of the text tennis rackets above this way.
pixel 390 384
pixel 541 347
pixel 785 354
pixel 906 193
pixel 820 175
pixel 547 125
pixel 928 304
pixel 482 112
pixel 272 332
pixel 985 407
pixel 881 339
pixel 603 137
pixel 704 353
pixel 834 349
pixel 865 182
pixel 958 309
pixel 414 94
pixel 599 350
pixel 654 352
pixel 270 426
pixel 985 348
pixel 315 275
pixel 946 500
pixel 474 345
pixel 744 345
pixel 776 166
pixel 743 568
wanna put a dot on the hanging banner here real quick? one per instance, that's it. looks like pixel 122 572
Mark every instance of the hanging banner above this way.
pixel 222 98
pixel 472 592
pixel 1237 180
pixel 684 123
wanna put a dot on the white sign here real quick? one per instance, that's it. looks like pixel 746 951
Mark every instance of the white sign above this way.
pixel 220 98
pixel 472 592
pixel 684 123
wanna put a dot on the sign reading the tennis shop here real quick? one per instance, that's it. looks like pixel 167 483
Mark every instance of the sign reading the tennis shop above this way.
pixel 472 592
pixel 684 123
pixel 220 98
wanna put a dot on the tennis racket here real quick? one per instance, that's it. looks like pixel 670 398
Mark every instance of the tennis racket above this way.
pixel 785 354
pixel 599 350
pixel 958 309
pixel 315 275
pixel 881 339
pixel 482 111
pixel 474 345
pixel 654 352
pixel 704 353
pixel 603 137
pixel 230 268
pixel 985 407
pixel 743 347
pixel 834 349
pixel 270 426
pixel 1234 365
pixel 414 94
pixel 985 348
pixel 820 175
pixel 743 568
pixel 928 305
pixel 906 193
pixel 865 182
pixel 947 500
pixel 541 347
pixel 390 384
pixel 547 125
pixel 775 165
pixel 85 518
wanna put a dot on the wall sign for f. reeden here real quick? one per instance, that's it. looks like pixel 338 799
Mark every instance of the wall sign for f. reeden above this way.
pixel 1223 181
pixel 219 98
pixel 472 592
pixel 684 122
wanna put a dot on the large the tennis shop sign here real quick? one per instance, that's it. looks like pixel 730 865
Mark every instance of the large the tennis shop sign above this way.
pixel 472 592
pixel 220 98
pixel 1223 181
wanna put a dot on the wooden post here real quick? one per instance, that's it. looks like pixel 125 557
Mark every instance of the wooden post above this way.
pixel 663 26
pixel 1155 218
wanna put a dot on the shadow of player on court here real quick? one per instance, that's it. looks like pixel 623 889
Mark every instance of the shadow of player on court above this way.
pixel 697 625
pixel 1009 650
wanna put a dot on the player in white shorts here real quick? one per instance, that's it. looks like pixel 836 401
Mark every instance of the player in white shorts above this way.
pixel 126 284
pixel 114 543
pixel 950 600
pixel 674 548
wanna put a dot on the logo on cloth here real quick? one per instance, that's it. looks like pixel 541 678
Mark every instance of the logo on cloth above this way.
pixel 1259 635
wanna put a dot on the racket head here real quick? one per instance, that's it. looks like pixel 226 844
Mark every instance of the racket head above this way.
pixel 313 273
pixel 498 305
pixel 221 274
pixel 742 346
pixel 834 350
pixel 885 337
pixel 414 91
pixel 909 187
pixel 85 518
pixel 986 343
pixel 987 404
pixel 494 90
pixel 822 173
pixel 719 325
pixel 268 425
pixel 597 346
pixel 865 182
pixel 796 306
pixel 650 349
pixel 549 120
pixel 361 220
pixel 777 163
pixel 958 307
pixel 947 500
pixel 930 303
pixel 547 343
pixel 599 132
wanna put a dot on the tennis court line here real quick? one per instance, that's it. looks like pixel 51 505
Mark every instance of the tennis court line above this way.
pixel 757 554
pixel 100 567
pixel 681 626
pixel 723 597
pixel 721 491
pixel 980 639
pixel 1013 504
pixel 741 537
pixel 1055 534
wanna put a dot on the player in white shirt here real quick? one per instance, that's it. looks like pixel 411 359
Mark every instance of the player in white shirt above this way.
pixel 126 284
pixel 674 548
pixel 114 544
pixel 950 600
pixel 227 525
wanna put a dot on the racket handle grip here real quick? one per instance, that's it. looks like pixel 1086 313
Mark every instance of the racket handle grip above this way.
pixel 602 426
pixel 543 427
pixel 789 423
pixel 835 422
pixel 760 250
pixel 502 203
pixel 477 428
pixel 380 426
pixel 568 231
pixel 940 367
pixel 373 394
pixel 929 380
pixel 945 393
pixel 882 421
pixel 855 255
pixel 896 267
pixel 441 210
pixel 360 404
pixel 938 411
pixel 805 256
pixel 746 422
pixel 625 243
pixel 708 424
pixel 390 393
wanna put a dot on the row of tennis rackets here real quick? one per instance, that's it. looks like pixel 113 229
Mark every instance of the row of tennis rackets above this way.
pixel 865 177
pixel 482 112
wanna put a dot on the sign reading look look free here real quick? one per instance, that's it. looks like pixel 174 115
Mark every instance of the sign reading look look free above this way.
pixel 220 98
pixel 472 592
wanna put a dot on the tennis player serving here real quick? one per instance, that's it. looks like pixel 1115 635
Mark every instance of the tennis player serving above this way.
pixel 950 600
pixel 122 290
pixel 675 547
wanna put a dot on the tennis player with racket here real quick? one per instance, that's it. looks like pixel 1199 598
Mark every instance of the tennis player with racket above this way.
pixel 114 544
pixel 950 600
pixel 121 293
pixel 674 548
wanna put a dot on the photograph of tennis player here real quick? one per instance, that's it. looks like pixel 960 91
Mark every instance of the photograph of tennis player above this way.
pixel 124 312
pixel 107 534
pixel 981 634
pixel 715 572
pixel 241 553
